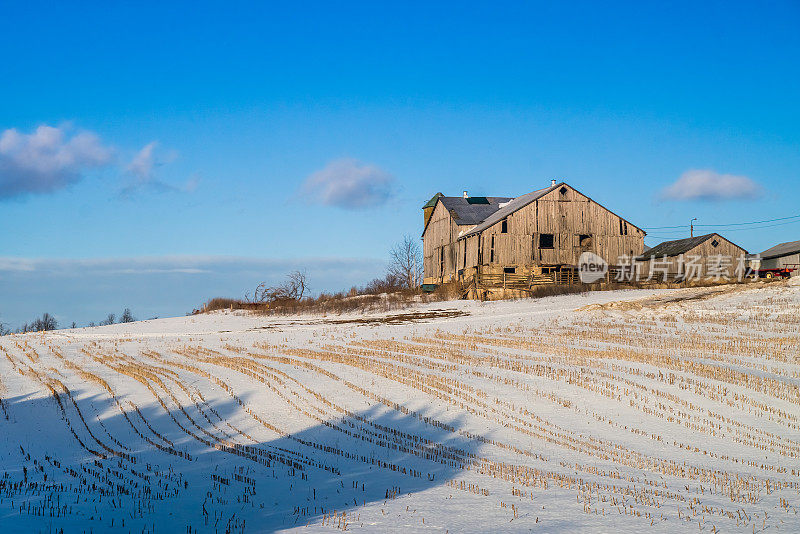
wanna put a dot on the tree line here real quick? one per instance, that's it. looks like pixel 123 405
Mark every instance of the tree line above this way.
pixel 48 322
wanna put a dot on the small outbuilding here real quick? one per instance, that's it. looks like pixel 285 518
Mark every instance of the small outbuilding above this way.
pixel 703 256
pixel 783 256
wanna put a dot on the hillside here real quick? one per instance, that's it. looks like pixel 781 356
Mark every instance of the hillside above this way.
pixel 621 411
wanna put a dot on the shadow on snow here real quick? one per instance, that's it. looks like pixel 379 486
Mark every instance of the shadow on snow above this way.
pixel 155 470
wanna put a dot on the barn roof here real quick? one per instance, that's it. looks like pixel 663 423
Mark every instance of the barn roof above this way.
pixel 472 210
pixel 432 202
pixel 784 249
pixel 518 203
pixel 677 247
pixel 513 204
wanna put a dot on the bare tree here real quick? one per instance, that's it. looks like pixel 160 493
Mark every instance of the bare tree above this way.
pixel 295 288
pixel 127 316
pixel 259 294
pixel 406 262
pixel 298 284
pixel 45 323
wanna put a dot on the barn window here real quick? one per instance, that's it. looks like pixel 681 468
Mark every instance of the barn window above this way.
pixel 715 243
pixel 504 226
pixel 546 241
pixel 491 251
pixel 510 270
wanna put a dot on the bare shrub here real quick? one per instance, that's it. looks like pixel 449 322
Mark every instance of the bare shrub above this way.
pixel 293 289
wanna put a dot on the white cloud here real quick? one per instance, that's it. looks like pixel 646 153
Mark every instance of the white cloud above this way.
pixel 48 159
pixel 705 184
pixel 350 184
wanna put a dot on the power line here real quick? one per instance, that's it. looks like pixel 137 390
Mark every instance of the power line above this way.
pixel 664 234
pixel 724 225
pixel 760 227
pixel 754 222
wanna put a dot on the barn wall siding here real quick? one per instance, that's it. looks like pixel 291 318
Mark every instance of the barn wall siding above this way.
pixel 780 262
pixel 566 216
pixel 440 234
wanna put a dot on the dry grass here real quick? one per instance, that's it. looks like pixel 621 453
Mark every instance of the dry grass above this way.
pixel 357 301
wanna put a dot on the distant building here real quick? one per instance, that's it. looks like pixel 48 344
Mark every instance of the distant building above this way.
pixel 541 233
pixel 681 257
pixel 781 256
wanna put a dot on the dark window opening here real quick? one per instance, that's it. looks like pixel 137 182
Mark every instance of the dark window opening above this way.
pixel 491 252
pixel 585 240
pixel 504 226
pixel 510 270
pixel 715 243
pixel 546 241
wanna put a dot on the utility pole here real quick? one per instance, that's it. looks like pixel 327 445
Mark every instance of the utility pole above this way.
pixel 691 227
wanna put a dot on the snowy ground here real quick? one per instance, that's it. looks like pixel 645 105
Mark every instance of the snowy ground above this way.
pixel 656 410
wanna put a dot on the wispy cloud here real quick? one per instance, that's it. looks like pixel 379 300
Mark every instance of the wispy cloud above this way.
pixel 350 184
pixel 705 184
pixel 141 166
pixel 48 159
pixel 142 170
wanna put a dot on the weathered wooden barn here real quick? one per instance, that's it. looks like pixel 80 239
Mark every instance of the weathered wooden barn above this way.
pixel 537 237
pixel 704 256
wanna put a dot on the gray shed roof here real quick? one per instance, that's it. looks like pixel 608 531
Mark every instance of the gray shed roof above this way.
pixel 784 249
pixel 677 247
pixel 472 210
pixel 512 206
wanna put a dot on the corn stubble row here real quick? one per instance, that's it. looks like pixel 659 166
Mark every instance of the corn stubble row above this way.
pixel 657 416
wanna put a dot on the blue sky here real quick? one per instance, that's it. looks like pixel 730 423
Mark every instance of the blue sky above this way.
pixel 310 134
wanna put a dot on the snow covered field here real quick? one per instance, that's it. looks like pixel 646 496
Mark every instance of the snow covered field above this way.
pixel 646 410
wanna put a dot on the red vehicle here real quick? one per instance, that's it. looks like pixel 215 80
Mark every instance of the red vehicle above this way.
pixel 780 272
